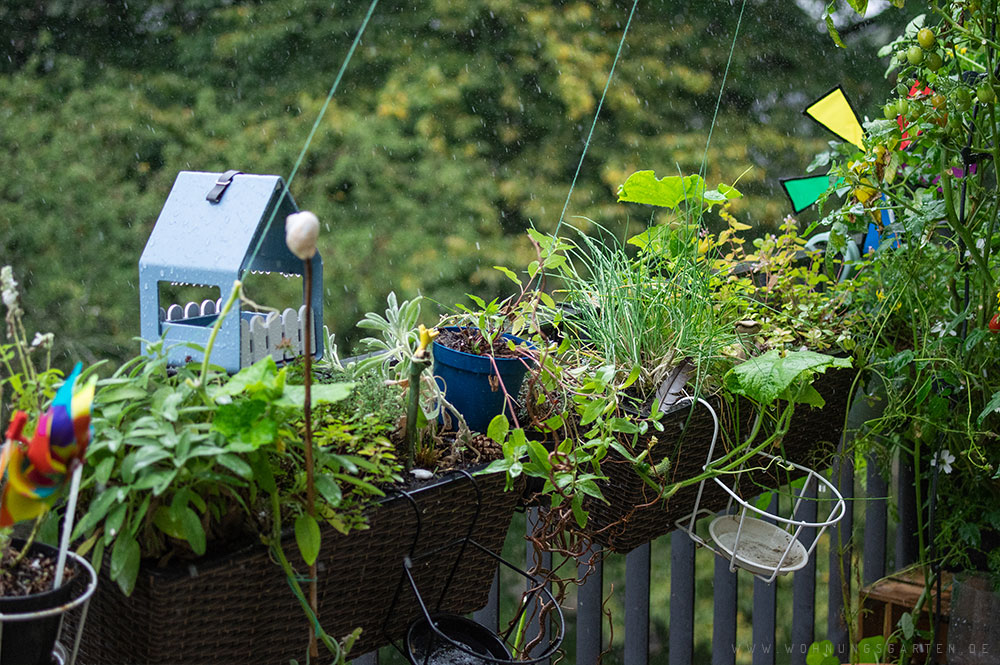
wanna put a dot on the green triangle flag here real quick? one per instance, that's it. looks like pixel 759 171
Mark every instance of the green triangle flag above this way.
pixel 804 190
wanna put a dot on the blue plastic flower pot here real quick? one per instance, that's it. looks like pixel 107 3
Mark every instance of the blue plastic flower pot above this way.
pixel 465 379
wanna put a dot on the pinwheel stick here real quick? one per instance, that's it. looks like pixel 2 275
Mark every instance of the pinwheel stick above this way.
pixel 74 491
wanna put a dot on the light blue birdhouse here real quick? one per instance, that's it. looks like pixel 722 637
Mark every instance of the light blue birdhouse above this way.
pixel 210 232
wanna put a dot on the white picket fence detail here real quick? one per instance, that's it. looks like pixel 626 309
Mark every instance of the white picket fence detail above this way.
pixel 190 310
pixel 279 335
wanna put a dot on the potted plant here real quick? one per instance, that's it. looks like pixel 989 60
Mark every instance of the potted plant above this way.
pixel 38 583
pixel 479 359
pixel 656 325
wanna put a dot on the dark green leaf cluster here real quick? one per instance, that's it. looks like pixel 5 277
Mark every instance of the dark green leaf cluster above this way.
pixel 178 467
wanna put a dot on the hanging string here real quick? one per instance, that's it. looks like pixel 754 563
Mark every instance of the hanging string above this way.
pixel 312 132
pixel 718 101
pixel 600 104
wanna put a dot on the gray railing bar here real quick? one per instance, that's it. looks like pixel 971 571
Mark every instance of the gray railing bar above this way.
pixel 906 500
pixel 724 615
pixel 840 555
pixel 637 605
pixel 681 647
pixel 531 631
pixel 804 586
pixel 489 616
pixel 765 600
pixel 877 491
pixel 589 619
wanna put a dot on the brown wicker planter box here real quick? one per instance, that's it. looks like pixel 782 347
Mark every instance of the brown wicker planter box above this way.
pixel 627 522
pixel 238 608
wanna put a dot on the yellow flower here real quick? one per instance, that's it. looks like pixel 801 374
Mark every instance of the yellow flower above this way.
pixel 426 337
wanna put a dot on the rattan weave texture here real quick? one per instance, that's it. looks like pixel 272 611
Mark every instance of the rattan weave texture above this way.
pixel 238 608
pixel 622 525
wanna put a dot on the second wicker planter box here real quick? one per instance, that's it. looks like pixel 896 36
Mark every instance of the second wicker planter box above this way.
pixel 634 515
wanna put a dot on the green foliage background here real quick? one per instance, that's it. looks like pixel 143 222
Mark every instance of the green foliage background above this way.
pixel 457 126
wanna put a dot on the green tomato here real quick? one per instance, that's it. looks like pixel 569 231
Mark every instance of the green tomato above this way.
pixel 933 61
pixel 889 110
pixel 962 99
pixel 926 38
pixel 915 55
pixel 985 94
pixel 901 55
pixel 902 106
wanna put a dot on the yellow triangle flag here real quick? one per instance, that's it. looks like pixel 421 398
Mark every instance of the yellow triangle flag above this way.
pixel 834 112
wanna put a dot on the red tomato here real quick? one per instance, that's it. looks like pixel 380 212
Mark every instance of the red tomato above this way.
pixel 995 323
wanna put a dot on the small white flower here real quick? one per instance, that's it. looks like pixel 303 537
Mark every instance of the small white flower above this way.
pixel 43 340
pixel 9 286
pixel 301 232
pixel 940 329
pixel 7 280
pixel 945 457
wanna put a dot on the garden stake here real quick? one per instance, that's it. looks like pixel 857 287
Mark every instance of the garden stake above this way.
pixel 310 481
pixel 418 365
pixel 301 233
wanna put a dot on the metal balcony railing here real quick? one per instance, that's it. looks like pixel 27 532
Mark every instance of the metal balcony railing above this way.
pixel 730 643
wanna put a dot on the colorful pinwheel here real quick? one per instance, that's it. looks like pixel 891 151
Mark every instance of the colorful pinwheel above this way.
pixel 37 470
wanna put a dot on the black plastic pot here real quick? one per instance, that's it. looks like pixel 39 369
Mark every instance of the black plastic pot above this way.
pixel 425 647
pixel 31 641
pixel 440 638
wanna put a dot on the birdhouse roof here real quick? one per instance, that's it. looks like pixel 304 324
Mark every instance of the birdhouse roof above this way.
pixel 198 241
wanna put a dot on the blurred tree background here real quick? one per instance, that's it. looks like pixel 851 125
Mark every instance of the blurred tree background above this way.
pixel 457 125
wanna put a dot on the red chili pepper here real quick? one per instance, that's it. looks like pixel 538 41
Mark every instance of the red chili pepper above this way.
pixel 995 323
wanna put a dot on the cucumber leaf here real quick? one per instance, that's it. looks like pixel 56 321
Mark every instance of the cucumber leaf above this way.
pixel 787 376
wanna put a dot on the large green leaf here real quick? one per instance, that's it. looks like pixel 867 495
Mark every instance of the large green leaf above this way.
pixel 821 653
pixel 125 559
pixel 666 192
pixel 669 191
pixel 776 374
pixel 261 377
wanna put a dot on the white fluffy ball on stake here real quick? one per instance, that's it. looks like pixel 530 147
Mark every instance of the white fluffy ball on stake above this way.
pixel 301 233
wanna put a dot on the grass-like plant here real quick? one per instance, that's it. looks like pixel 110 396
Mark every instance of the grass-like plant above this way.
pixel 645 309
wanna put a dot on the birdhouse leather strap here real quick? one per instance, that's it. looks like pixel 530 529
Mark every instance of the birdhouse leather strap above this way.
pixel 221 184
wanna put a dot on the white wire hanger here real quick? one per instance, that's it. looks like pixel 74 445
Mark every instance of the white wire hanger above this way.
pixel 755 539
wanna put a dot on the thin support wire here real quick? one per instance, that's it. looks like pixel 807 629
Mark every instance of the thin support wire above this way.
pixel 597 113
pixel 312 132
pixel 718 101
